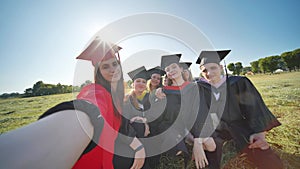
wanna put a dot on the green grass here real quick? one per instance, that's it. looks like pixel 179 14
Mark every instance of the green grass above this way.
pixel 18 112
pixel 281 93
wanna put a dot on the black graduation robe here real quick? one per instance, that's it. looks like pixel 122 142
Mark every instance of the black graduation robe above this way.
pixel 178 116
pixel 124 154
pixel 130 111
pixel 240 110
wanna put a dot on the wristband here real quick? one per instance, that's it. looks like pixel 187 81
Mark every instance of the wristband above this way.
pixel 139 148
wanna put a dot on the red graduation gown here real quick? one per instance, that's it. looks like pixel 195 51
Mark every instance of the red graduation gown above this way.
pixel 101 156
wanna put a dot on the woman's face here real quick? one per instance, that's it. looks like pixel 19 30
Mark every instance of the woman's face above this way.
pixel 110 70
pixel 139 85
pixel 173 71
pixel 155 79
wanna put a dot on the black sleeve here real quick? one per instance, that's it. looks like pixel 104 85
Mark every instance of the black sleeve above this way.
pixel 204 127
pixel 126 131
pixel 90 109
pixel 253 107
pixel 196 112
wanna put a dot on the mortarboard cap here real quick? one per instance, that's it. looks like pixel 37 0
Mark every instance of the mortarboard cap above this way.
pixel 156 70
pixel 185 65
pixel 211 57
pixel 140 72
pixel 166 60
pixel 99 50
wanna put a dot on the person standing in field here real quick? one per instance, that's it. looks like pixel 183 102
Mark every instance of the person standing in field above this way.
pixel 236 111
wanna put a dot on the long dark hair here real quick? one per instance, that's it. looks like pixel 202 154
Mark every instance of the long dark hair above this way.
pixel 118 95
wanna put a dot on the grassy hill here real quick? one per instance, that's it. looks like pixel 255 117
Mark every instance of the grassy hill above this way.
pixel 281 92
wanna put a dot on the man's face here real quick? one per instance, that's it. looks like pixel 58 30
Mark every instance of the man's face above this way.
pixel 211 72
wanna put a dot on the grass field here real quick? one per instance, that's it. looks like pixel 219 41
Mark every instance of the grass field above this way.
pixel 281 92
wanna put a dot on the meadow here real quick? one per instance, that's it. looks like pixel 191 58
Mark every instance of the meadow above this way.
pixel 281 93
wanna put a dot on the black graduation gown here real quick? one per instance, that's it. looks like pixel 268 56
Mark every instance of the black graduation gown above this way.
pixel 124 154
pixel 179 116
pixel 240 109
pixel 130 111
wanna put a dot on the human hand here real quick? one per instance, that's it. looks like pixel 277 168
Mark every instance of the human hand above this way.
pixel 147 130
pixel 137 118
pixel 209 144
pixel 199 155
pixel 258 140
pixel 159 93
pixel 139 159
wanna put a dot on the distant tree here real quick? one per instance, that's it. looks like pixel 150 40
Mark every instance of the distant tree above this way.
pixel 85 83
pixel 263 65
pixel 10 95
pixel 273 63
pixel 231 67
pixel 28 92
pixel 59 88
pixel 238 68
pixel 292 59
pixel 245 70
pixel 36 90
pixel 255 67
pixel 76 88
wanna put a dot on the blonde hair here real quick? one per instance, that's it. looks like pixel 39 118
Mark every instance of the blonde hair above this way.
pixel 131 97
pixel 149 85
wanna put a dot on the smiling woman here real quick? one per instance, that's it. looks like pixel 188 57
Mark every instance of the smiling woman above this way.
pixel 94 118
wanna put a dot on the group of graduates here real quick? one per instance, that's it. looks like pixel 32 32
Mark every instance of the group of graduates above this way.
pixel 165 112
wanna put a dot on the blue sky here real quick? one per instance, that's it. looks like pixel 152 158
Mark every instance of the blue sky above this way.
pixel 39 40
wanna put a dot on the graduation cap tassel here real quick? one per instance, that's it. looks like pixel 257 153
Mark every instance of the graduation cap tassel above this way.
pixel 118 55
pixel 226 73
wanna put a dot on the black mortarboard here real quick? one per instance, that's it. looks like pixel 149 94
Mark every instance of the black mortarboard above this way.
pixel 140 72
pixel 185 65
pixel 211 57
pixel 166 60
pixel 99 50
pixel 156 70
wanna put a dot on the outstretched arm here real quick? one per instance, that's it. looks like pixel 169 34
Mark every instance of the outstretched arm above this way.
pixel 56 141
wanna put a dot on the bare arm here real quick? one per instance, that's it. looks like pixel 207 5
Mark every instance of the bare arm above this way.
pixel 56 141
pixel 139 157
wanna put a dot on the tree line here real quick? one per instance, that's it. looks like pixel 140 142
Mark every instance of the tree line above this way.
pixel 40 88
pixel 287 61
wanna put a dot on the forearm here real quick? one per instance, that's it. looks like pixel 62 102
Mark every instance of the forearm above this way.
pixel 47 143
pixel 135 143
